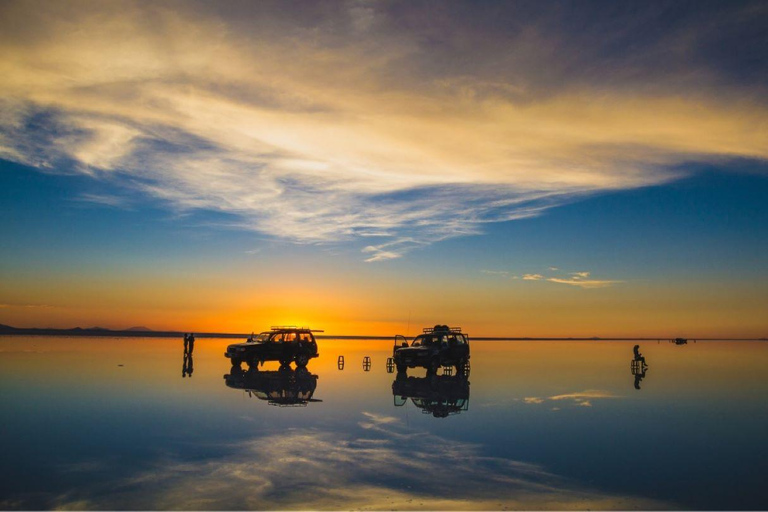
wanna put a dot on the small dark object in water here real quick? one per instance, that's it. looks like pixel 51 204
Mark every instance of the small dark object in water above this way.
pixel 367 363
pixel 341 362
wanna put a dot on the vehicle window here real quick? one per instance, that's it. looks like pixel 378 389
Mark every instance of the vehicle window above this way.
pixel 418 341
pixel 305 337
pixel 290 337
pixel 277 337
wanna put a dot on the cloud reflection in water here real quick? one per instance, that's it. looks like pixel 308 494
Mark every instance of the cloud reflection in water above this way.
pixel 391 467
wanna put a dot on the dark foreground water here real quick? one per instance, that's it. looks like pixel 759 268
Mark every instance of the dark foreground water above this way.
pixel 111 423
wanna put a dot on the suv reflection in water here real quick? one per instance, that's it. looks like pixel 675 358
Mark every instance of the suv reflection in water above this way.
pixel 438 395
pixel 284 387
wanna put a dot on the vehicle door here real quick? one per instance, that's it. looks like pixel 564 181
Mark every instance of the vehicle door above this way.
pixel 275 346
pixel 458 347
pixel 289 343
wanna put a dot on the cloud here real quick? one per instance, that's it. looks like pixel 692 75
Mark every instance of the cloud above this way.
pixel 340 122
pixel 576 279
pixel 391 467
pixel 28 306
pixel 496 272
pixel 584 283
pixel 581 398
pixel 103 200
pixel 583 395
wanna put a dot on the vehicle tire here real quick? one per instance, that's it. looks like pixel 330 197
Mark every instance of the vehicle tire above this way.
pixel 236 363
pixel 253 365
pixel 434 364
pixel 302 360
pixel 401 368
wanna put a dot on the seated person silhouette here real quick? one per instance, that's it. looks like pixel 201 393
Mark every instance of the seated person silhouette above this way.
pixel 638 355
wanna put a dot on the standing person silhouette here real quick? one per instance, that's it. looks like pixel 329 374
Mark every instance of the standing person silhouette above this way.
pixel 186 343
pixel 191 343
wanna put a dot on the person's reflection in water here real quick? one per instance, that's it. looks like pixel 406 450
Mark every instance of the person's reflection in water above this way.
pixel 188 367
pixel 189 345
pixel 639 367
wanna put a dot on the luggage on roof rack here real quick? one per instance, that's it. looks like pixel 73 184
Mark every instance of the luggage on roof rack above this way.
pixel 441 328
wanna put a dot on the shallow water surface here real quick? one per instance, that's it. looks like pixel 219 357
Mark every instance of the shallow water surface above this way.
pixel 111 423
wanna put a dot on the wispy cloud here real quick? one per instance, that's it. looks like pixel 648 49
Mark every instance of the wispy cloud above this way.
pixel 532 277
pixel 103 200
pixel 27 306
pixel 580 399
pixel 582 395
pixel 347 126
pixel 502 273
pixel 584 283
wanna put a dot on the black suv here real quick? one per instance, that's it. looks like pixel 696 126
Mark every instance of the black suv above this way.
pixel 284 344
pixel 437 346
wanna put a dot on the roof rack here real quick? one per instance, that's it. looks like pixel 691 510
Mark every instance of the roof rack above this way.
pixel 293 327
pixel 441 328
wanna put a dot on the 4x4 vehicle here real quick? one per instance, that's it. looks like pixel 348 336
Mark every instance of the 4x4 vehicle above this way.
pixel 437 346
pixel 284 344
pixel 285 387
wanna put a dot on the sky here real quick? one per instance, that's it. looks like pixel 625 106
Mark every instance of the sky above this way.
pixel 567 169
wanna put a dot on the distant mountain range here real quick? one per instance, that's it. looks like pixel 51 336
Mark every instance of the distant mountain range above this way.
pixel 103 331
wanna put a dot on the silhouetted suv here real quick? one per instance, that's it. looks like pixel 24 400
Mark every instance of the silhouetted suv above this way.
pixel 437 346
pixel 284 344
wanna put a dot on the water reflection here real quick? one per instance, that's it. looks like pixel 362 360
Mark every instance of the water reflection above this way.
pixel 638 366
pixel 187 367
pixel 285 387
pixel 547 418
pixel 438 395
